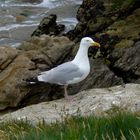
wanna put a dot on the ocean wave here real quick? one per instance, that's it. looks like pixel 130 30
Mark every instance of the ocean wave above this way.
pixel 14 26
pixel 15 45
pixel 45 3
pixel 67 21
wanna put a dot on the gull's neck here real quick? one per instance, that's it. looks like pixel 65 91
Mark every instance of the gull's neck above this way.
pixel 82 55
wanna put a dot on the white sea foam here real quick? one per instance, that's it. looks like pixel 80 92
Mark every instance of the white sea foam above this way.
pixel 16 5
pixel 14 26
pixel 1 39
pixel 30 22
pixel 68 20
pixel 15 45
pixel 46 3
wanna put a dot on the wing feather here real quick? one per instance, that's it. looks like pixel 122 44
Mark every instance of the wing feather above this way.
pixel 62 74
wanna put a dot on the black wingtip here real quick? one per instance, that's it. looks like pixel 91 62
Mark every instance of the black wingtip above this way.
pixel 32 80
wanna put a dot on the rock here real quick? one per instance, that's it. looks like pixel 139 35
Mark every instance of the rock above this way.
pixel 97 102
pixel 7 55
pixel 11 81
pixel 14 66
pixel 126 29
pixel 50 50
pixel 88 14
pixel 20 18
pixel 115 18
pixel 114 24
pixel 18 65
pixel 49 26
pixel 125 62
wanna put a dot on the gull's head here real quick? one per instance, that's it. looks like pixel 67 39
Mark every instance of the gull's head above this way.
pixel 87 42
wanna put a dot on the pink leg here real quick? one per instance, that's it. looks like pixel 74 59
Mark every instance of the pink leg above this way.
pixel 67 97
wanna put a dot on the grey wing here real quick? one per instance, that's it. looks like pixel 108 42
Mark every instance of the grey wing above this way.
pixel 62 74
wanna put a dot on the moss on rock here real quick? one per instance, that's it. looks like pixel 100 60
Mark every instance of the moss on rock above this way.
pixel 124 43
pixel 128 28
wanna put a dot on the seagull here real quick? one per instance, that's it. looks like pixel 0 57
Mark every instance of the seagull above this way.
pixel 70 72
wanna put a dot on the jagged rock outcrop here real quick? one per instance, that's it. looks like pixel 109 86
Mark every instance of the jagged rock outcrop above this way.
pixel 125 62
pixel 97 102
pixel 115 25
pixel 49 26
pixel 97 16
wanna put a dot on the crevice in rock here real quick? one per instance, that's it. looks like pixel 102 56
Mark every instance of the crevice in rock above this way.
pixel 50 62
pixel 127 76
pixel 8 110
pixel 8 63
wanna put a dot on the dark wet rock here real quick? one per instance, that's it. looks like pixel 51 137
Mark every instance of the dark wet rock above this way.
pixel 97 16
pixel 125 62
pixel 125 29
pixel 93 8
pixel 49 26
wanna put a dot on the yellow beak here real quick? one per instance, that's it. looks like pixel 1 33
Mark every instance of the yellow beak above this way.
pixel 96 44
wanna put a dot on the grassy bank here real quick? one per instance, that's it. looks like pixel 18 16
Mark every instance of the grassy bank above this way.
pixel 124 126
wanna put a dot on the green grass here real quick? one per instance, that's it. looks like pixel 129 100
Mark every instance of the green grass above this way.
pixel 121 126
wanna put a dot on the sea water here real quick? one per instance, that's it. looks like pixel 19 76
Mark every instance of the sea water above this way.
pixel 14 32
